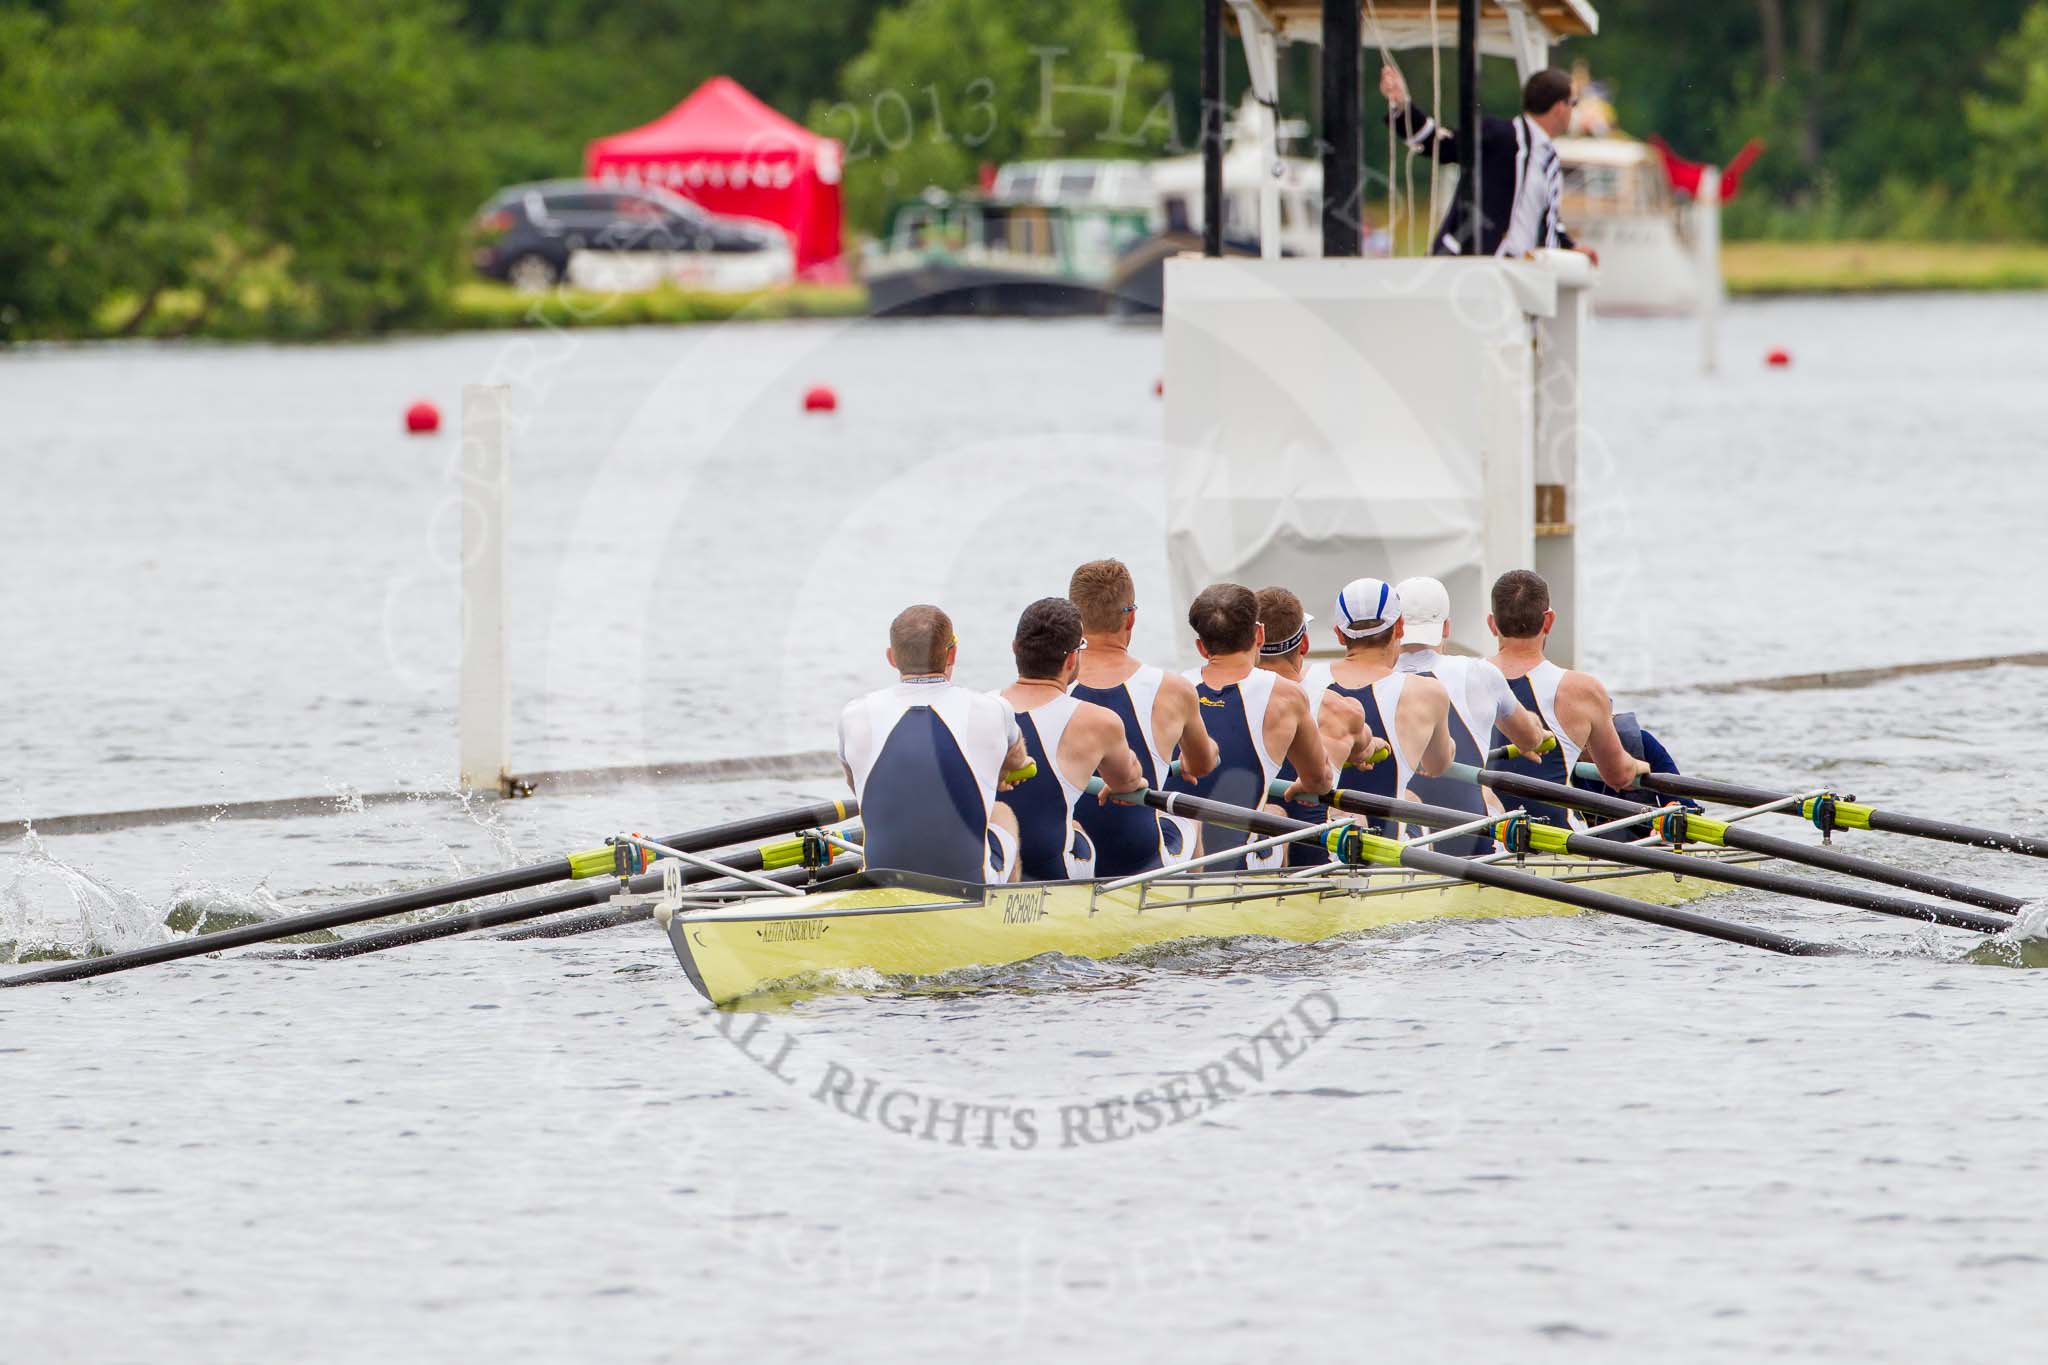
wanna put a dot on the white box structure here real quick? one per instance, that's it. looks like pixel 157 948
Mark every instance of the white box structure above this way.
pixel 1328 419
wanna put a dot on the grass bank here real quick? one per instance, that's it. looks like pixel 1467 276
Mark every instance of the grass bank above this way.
pixel 478 305
pixel 1764 268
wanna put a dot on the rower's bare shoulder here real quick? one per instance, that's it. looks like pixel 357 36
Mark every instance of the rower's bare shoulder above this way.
pixel 1583 688
pixel 1096 723
pixel 1177 689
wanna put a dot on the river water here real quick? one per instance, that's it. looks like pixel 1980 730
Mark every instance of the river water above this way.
pixel 227 577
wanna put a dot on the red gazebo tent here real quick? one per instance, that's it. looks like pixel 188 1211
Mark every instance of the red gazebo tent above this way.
pixel 731 153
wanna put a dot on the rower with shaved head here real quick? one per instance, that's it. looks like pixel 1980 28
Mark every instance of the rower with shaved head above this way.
pixel 1259 719
pixel 1573 705
pixel 1069 739
pixel 1482 704
pixel 1409 710
pixel 1159 715
pixel 927 757
pixel 1347 738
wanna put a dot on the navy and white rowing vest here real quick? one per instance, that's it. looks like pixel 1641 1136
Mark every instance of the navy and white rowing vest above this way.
pixel 925 757
pixel 1381 702
pixel 1131 839
pixel 1537 690
pixel 1457 674
pixel 1235 717
pixel 1051 847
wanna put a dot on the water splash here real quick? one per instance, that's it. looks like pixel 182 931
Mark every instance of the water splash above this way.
pixel 50 909
pixel 2023 945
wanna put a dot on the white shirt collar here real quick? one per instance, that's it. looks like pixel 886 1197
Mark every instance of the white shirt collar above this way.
pixel 1416 661
pixel 1537 137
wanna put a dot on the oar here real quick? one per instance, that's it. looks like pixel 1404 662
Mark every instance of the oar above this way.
pixel 1700 829
pixel 1358 846
pixel 844 864
pixel 1828 812
pixel 1544 838
pixel 785 855
pixel 588 863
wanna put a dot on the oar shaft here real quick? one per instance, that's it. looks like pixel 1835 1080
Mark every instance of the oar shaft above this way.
pixel 1738 836
pixel 1612 848
pixel 422 898
pixel 1889 822
pixel 1507 879
pixel 577 898
pixel 613 917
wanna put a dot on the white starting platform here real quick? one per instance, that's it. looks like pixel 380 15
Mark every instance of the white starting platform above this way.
pixel 1328 419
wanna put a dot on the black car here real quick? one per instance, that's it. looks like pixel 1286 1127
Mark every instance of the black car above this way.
pixel 526 233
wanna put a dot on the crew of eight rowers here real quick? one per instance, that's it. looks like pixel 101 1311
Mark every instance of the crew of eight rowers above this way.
pixel 992 787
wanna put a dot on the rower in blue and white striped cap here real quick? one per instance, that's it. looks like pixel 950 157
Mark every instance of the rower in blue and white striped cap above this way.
pixel 1409 710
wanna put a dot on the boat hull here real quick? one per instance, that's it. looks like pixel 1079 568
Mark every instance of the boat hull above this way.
pixel 910 927
pixel 975 291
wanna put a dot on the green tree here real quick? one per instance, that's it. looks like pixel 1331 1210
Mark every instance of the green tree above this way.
pixel 948 85
pixel 2011 121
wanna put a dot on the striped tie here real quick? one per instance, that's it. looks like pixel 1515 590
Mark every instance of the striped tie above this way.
pixel 1553 179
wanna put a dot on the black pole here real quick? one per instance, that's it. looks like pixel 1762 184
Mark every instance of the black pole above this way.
pixel 1468 120
pixel 1343 129
pixel 1212 127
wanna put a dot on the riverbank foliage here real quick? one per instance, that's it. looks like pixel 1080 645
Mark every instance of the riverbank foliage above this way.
pixel 307 167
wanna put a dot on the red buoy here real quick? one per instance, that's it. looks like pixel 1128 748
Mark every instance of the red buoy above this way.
pixel 422 418
pixel 820 398
pixel 1778 358
pixel 1159 388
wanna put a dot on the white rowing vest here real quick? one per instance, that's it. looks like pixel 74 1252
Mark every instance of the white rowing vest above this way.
pixel 1234 714
pixel 1382 703
pixel 1541 682
pixel 925 758
pixel 1050 843
pixel 1478 689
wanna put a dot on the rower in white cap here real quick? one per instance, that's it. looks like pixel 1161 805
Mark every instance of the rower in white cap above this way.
pixel 1481 704
pixel 1407 709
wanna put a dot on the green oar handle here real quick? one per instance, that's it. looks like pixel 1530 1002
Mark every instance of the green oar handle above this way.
pixel 1508 879
pixel 765 859
pixel 1614 848
pixel 428 897
pixel 1507 751
pixel 1702 830
pixel 1848 814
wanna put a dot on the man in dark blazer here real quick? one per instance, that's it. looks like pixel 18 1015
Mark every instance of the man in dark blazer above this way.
pixel 1521 182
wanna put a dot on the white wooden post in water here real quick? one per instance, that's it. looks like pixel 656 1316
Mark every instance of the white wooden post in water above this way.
pixel 484 721
pixel 1706 246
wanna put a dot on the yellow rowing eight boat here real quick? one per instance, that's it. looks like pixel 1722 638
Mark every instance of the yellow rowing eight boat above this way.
pixel 903 925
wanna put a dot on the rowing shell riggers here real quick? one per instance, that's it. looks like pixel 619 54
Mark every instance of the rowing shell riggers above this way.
pixel 1537 690
pixel 925 756
pixel 1132 839
pixel 1051 847
pixel 1235 717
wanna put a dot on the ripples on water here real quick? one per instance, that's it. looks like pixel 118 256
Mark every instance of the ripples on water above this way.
pixel 1521 1135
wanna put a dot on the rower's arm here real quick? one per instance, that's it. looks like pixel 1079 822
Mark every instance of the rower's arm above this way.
pixel 1108 753
pixel 1305 750
pixel 1345 736
pixel 1523 727
pixel 1583 702
pixel 1428 706
pixel 1198 753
